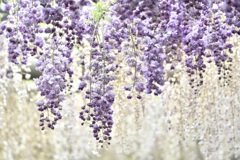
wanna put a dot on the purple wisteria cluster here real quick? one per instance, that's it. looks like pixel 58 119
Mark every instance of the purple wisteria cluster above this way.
pixel 99 91
pixel 149 34
pixel 54 65
pixel 231 9
pixel 173 30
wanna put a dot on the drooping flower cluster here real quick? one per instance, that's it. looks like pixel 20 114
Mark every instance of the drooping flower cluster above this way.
pixel 149 34
pixel 99 78
pixel 54 65
pixel 231 8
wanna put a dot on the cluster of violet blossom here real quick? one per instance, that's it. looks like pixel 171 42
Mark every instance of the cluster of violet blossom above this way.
pixel 171 30
pixel 158 32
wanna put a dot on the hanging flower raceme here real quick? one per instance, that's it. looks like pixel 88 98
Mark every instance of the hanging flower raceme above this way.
pixel 147 35
pixel 22 29
pixel 54 65
pixel 99 76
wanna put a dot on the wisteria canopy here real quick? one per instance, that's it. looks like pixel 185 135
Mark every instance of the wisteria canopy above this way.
pixel 178 54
